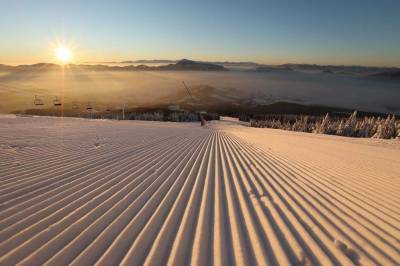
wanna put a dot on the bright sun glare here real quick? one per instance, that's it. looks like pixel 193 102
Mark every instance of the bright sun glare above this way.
pixel 63 54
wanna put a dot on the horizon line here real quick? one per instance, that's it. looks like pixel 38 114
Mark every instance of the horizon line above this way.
pixel 202 61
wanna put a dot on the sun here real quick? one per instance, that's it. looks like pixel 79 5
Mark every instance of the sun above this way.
pixel 63 54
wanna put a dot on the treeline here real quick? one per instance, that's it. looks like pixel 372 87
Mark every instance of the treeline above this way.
pixel 129 114
pixel 353 126
pixel 170 116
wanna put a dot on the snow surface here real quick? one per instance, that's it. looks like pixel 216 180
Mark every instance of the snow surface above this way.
pixel 76 191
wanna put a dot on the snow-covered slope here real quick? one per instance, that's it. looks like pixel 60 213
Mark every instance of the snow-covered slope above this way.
pixel 83 192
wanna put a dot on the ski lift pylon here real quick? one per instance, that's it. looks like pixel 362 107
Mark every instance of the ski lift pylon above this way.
pixel 202 120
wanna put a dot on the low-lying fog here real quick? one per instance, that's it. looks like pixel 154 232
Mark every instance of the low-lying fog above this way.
pixel 114 88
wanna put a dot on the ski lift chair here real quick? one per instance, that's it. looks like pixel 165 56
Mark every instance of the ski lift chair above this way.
pixel 89 106
pixel 37 101
pixel 57 102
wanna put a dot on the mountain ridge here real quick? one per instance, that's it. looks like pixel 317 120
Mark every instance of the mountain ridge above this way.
pixel 181 65
pixel 186 64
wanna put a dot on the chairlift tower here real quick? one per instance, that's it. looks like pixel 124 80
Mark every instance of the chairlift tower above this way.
pixel 202 120
pixel 89 108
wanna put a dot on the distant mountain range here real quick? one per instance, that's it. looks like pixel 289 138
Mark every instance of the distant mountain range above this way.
pixel 190 65
pixel 163 61
pixel 273 68
pixel 289 66
pixel 388 75
pixel 337 69
pixel 181 65
pixel 144 61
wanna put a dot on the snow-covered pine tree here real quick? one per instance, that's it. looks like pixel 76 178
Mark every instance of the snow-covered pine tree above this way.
pixel 350 125
pixel 323 126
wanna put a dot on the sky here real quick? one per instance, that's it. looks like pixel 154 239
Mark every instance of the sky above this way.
pixel 348 32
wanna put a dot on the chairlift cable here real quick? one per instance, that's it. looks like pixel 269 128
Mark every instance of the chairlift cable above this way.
pixel 188 91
